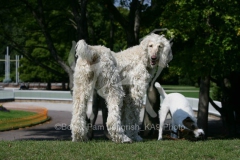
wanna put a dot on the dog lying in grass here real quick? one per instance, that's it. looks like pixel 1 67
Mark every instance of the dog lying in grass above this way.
pixel 184 124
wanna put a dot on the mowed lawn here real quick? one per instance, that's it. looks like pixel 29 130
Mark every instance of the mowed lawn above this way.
pixel 15 114
pixel 187 91
pixel 99 149
pixel 15 119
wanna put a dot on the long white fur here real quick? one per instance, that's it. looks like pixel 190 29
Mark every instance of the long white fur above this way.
pixel 179 108
pixel 103 74
pixel 136 71
pixel 121 79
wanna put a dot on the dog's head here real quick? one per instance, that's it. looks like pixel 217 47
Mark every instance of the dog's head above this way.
pixel 158 49
pixel 191 131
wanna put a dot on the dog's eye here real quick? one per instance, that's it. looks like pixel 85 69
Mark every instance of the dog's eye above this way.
pixel 150 45
pixel 160 46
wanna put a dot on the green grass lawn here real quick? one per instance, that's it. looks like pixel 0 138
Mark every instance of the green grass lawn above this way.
pixel 187 91
pixel 100 149
pixel 17 119
pixel 179 87
pixel 168 149
pixel 15 114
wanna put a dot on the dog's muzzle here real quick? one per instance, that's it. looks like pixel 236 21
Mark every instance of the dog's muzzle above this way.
pixel 153 60
pixel 201 136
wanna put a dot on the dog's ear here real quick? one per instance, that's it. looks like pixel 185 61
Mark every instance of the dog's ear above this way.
pixel 144 43
pixel 188 119
pixel 187 134
pixel 189 123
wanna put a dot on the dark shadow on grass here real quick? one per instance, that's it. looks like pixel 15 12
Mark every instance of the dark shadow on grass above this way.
pixel 52 134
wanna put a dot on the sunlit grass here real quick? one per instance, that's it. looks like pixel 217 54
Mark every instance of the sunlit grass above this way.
pixel 187 91
pixel 17 119
pixel 15 114
pixel 168 149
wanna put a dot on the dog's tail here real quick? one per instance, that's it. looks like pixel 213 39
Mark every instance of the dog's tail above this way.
pixel 160 90
pixel 84 51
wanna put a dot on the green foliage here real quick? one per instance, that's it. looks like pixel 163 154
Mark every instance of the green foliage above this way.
pixel 185 80
pixel 27 38
pixel 206 35
pixel 216 93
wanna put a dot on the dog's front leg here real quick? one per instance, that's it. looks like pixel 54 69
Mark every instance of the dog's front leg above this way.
pixel 114 124
pixel 131 118
pixel 135 123
pixel 174 132
pixel 81 93
pixel 137 87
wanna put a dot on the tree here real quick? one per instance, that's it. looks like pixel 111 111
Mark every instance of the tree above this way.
pixel 40 30
pixel 43 31
pixel 131 22
pixel 206 33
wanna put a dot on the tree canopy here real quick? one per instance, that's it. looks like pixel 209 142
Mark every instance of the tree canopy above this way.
pixel 206 45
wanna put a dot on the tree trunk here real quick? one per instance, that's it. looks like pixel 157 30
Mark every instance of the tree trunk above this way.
pixel 230 110
pixel 130 25
pixel 49 86
pixel 63 86
pixel 111 33
pixel 40 18
pixel 79 9
pixel 231 104
pixel 203 104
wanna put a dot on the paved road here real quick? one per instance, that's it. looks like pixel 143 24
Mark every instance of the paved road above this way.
pixel 58 127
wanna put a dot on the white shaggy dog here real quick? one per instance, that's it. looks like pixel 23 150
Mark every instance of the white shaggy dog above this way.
pixel 121 77
pixel 96 69
pixel 137 66
pixel 182 115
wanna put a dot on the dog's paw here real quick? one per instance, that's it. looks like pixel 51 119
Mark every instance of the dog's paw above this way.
pixel 160 138
pixel 126 139
pixel 138 138
pixel 80 139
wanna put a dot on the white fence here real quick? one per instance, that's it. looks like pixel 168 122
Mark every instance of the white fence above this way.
pixel 66 96
pixel 35 94
pixel 194 103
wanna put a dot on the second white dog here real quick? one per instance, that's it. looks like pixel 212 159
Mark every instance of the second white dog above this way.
pixel 181 112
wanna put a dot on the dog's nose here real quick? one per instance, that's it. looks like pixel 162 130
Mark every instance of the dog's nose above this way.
pixel 154 58
pixel 201 136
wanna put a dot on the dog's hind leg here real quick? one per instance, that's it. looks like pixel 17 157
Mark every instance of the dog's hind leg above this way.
pixel 98 103
pixel 94 114
pixel 162 116
pixel 78 123
pixel 104 117
pixel 81 92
